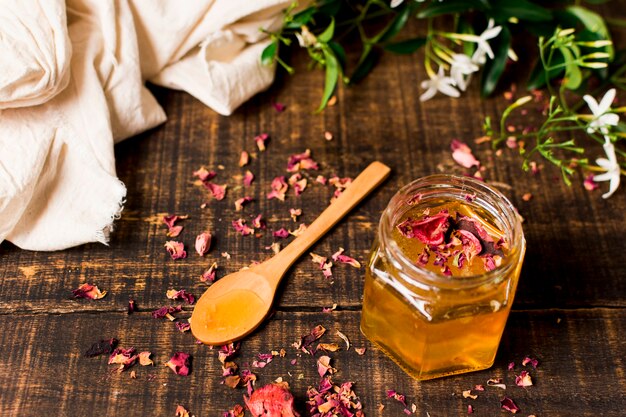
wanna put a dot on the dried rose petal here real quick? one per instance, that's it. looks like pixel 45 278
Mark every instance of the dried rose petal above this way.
pixel 144 358
pixel 239 203
pixel 300 161
pixel 248 178
pixel 183 327
pixel 323 365
pixel 217 191
pixel 470 409
pixel 260 141
pixel 166 312
pixel 468 394
pixel 360 351
pixel 204 175
pixel 306 340
pixel 298 183
pixel 180 363
pixel 279 188
pixel 471 245
pixel 102 347
pixel 327 269
pixel 132 306
pixel 340 257
pixel 236 411
pixel 329 309
pixel 527 360
pixel 181 411
pixel 321 179
pixel 175 249
pixel 489 247
pixel 227 351
pixel 88 291
pixel 209 274
pixel 241 227
pixel 396 396
pixel 318 259
pixel 180 295
pixel 430 230
pixel 232 381
pixel 423 257
pixel 294 213
pixel 511 366
pixel 299 230
pixel 507 404
pixel 479 387
pixel 170 220
pixel 124 357
pixel 489 263
pixel 462 154
pixel 344 338
pixel 273 400
pixel 328 347
pixel 229 368
pixel 590 184
pixel 244 159
pixel 523 379
pixel 279 107
pixel 203 243
pixel 281 233
pixel 496 382
pixel 174 231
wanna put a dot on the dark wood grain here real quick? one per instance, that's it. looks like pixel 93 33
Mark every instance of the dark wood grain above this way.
pixel 569 309
pixel 48 371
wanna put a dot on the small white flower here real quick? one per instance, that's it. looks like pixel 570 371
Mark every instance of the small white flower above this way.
pixel 483 46
pixel 439 82
pixel 611 167
pixel 396 3
pixel 306 38
pixel 462 66
pixel 601 112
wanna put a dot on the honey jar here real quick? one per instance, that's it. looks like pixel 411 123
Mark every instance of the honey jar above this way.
pixel 442 276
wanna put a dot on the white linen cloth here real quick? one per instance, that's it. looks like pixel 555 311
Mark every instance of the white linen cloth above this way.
pixel 71 85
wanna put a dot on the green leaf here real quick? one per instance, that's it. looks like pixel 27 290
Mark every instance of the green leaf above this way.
pixel 573 75
pixel 495 67
pixel 302 18
pixel 395 26
pixel 437 8
pixel 339 52
pixel 329 7
pixel 594 23
pixel 407 46
pixel 364 67
pixel 328 33
pixel 332 76
pixel 502 10
pixel 269 53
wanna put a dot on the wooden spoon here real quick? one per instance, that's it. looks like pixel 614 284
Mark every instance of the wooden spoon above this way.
pixel 236 304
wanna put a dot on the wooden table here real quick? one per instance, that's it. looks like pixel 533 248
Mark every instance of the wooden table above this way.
pixel 569 310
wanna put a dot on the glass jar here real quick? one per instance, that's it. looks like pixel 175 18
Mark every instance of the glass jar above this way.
pixel 430 324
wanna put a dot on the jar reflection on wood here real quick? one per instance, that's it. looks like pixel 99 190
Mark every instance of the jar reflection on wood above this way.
pixel 430 323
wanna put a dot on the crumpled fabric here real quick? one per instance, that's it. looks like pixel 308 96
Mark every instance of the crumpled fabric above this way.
pixel 72 85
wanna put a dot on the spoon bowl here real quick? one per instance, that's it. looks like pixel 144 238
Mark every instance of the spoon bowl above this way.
pixel 234 307
pixel 236 304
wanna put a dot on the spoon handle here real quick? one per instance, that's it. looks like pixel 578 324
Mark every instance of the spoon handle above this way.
pixel 367 180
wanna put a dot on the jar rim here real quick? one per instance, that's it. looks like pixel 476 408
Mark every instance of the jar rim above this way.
pixel 489 197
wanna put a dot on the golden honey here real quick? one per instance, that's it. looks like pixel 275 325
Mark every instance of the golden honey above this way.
pixel 430 323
